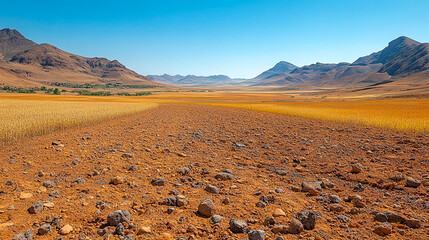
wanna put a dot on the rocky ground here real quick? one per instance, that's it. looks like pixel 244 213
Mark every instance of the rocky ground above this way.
pixel 198 172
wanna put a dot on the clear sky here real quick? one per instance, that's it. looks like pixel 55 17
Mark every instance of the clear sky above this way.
pixel 239 38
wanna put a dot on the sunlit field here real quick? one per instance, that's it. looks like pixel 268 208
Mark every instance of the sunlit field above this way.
pixel 26 118
pixel 30 115
pixel 404 115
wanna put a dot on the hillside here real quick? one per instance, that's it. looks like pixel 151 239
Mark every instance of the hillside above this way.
pixel 25 63
pixel 192 80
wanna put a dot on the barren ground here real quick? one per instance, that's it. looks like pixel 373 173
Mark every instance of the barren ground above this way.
pixel 257 147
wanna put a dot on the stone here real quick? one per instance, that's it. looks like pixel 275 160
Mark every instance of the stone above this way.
pixel 144 230
pixel 295 226
pixel 128 237
pixel 118 216
pixel 133 168
pixel 119 230
pixel 226 200
pixel 390 217
pixel 307 218
pixel 343 218
pixel 183 170
pixel 356 168
pixel 237 226
pixel 279 213
pixel 413 223
pixel 128 155
pixel 44 229
pixel 223 176
pixel 334 199
pixel 212 189
pixel 326 183
pixel 118 180
pixel 48 184
pixel 158 181
pixel 36 208
pixel 66 229
pixel 269 221
pixel 413 183
pixel 309 185
pixel 279 229
pixel 256 235
pixel 79 180
pixel 336 207
pixel 206 208
pixel 24 195
pixel 383 229
pixel 55 194
pixel 215 219
pixel 27 235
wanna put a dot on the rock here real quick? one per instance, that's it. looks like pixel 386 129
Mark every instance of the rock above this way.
pixel 307 218
pixel 413 183
pixel 44 229
pixel 79 180
pixel 181 201
pixel 54 194
pixel 128 155
pixel 343 218
pixel 24 195
pixel 269 221
pixel 48 205
pixel 226 200
pixel 309 185
pixel 170 210
pixel 256 235
pixel 326 183
pixel 128 237
pixel 119 230
pixel 359 203
pixel 183 170
pixel 48 184
pixel 101 205
pixel 334 199
pixel 158 181
pixel 206 208
pixel 237 226
pixel 279 190
pixel 133 168
pixel 27 235
pixel 295 226
pixel 66 229
pixel 144 230
pixel 36 208
pixel 223 176
pixel 279 213
pixel 356 168
pixel 413 223
pixel 118 216
pixel 279 229
pixel 212 189
pixel 390 217
pixel 215 219
pixel 383 229
pixel 118 180
pixel 336 208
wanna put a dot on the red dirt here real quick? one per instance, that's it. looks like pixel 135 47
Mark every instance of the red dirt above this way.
pixel 173 136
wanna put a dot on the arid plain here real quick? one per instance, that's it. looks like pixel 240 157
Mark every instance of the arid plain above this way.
pixel 264 159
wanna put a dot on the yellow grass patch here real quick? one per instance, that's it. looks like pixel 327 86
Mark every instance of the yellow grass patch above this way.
pixel 25 118
pixel 405 115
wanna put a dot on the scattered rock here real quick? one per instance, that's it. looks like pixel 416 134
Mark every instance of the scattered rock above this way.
pixel 307 218
pixel 238 226
pixel 413 183
pixel 295 226
pixel 118 216
pixel 215 219
pixel 206 208
pixel 413 223
pixel 356 168
pixel 311 185
pixel 223 176
pixel 183 170
pixel 79 180
pixel 36 208
pixel 158 181
pixel 27 235
pixel 119 230
pixel 48 184
pixel 279 213
pixel 334 199
pixel 44 229
pixel 212 189
pixel 256 235
pixel 128 155
pixel 118 180
pixel 383 229
pixel 24 195
pixel 144 230
pixel 66 229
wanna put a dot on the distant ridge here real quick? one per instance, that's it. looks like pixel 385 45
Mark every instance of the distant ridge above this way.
pixel 24 62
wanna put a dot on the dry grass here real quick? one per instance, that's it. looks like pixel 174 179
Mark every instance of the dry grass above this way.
pixel 404 115
pixel 26 118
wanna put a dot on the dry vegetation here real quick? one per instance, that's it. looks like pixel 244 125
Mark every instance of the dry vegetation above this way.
pixel 24 118
pixel 405 115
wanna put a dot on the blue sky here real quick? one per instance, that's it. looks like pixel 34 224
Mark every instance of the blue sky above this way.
pixel 239 38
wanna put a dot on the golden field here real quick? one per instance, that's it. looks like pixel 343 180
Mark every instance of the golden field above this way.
pixel 30 115
pixel 26 118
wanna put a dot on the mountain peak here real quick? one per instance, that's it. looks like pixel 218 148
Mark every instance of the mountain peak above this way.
pixel 7 32
pixel 403 41
pixel 12 42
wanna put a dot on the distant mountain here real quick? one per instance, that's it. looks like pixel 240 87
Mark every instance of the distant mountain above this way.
pixel 192 80
pixel 24 62
pixel 402 58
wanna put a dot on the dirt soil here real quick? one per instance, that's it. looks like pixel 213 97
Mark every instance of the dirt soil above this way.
pixel 264 155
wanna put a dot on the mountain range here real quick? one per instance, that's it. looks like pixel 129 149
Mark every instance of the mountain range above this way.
pixel 26 63
pixel 403 64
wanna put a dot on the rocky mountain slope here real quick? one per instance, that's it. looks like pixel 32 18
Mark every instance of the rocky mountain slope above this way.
pixel 24 62
pixel 192 80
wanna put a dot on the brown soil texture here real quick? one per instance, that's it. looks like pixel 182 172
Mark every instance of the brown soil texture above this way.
pixel 263 151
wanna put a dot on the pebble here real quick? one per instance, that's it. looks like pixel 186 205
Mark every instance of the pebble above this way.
pixel 295 226
pixel 118 180
pixel 307 218
pixel 256 235
pixel 223 176
pixel 237 226
pixel 279 213
pixel 27 235
pixel 44 229
pixel 36 208
pixel 144 230
pixel 66 229
pixel 158 181
pixel 383 229
pixel 48 184
pixel 413 183
pixel 118 216
pixel 215 219
pixel 24 195
pixel 356 168
pixel 212 189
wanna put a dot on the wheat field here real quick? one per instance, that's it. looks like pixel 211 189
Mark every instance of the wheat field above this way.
pixel 404 115
pixel 26 118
